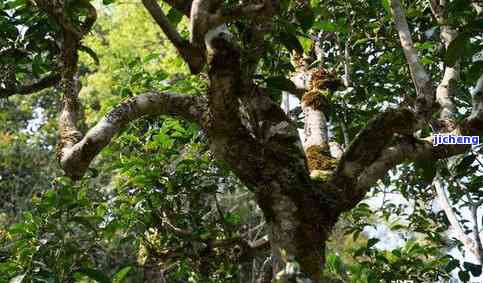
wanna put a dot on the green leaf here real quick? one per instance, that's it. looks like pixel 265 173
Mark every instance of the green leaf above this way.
pixel 465 163
pixel 456 49
pixel 232 218
pixel 95 274
pixel 356 235
pixel 28 217
pixel 476 183
pixel 385 4
pixel 306 43
pixel 464 276
pixel 164 141
pixel 19 228
pixel 37 66
pixel 281 83
pixel 91 53
pixel 174 16
pixel 121 274
pixel 291 42
pixel 93 173
pixel 326 26
pixel 452 264
pixel 16 3
pixel 85 221
pixel 305 16
pixel 475 71
pixel 397 226
pixel 396 253
pixel 475 26
pixel 107 2
pixel 360 251
pixel 381 259
pixel 371 242
pixel 427 169
pixel 475 269
pixel 150 57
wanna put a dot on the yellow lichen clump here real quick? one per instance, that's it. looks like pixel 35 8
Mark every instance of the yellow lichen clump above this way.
pixel 322 79
pixel 318 158
pixel 321 84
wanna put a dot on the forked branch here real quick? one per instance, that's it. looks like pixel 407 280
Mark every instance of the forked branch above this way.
pixel 408 149
pixel 191 55
pixel 445 89
pixel 56 9
pixel 202 19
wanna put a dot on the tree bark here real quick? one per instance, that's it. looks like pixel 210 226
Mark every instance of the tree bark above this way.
pixel 260 143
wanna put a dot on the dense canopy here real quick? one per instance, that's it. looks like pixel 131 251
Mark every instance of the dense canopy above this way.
pixel 240 141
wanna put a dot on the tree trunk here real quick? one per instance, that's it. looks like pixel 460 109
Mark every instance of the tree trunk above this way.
pixel 297 249
pixel 251 133
pixel 298 231
pixel 153 272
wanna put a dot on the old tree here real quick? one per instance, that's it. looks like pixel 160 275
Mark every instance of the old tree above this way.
pixel 375 81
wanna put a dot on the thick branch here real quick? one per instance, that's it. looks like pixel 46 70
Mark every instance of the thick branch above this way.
pixel 76 159
pixel 421 80
pixel 474 206
pixel 479 245
pixel 368 144
pixel 191 55
pixel 70 86
pixel 475 120
pixel 405 149
pixel 445 90
pixel 453 220
pixel 301 80
pixel 438 10
pixel 91 16
pixel 444 93
pixel 202 19
pixel 250 11
pixel 29 88
pixel 69 37
pixel 411 149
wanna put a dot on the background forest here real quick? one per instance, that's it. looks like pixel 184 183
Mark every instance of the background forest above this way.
pixel 155 206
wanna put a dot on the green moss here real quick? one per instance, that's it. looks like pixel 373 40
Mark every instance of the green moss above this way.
pixel 320 175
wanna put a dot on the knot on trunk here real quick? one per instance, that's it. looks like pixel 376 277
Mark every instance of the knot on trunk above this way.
pixel 321 85
pixel 322 79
